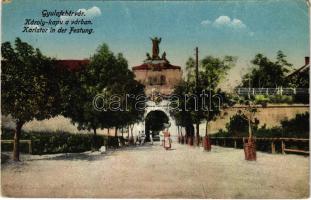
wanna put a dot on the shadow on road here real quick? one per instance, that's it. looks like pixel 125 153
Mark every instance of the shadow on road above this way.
pixel 87 156
pixel 75 156
pixel 83 156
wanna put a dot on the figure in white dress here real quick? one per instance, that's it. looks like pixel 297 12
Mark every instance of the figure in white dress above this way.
pixel 142 138
pixel 167 140
pixel 161 138
pixel 151 138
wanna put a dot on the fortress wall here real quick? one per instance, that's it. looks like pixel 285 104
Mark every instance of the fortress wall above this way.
pixel 271 116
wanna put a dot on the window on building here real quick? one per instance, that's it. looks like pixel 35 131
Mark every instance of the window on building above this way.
pixel 157 80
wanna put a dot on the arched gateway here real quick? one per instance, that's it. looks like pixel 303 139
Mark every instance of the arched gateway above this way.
pixel 159 77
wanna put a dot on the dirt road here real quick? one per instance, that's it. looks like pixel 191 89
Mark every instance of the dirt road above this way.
pixel 151 172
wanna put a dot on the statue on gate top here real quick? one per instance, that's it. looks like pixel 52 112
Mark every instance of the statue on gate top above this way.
pixel 155 47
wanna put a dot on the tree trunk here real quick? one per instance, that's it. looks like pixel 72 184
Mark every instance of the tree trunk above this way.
pixel 181 131
pixel 178 135
pixel 189 130
pixel 128 132
pixel 131 139
pixel 206 126
pixel 94 140
pixel 108 137
pixel 249 123
pixel 198 134
pixel 189 134
pixel 17 135
pixel 249 128
pixel 116 132
pixel 94 131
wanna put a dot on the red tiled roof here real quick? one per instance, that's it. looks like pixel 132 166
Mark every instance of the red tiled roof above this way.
pixel 72 65
pixel 156 67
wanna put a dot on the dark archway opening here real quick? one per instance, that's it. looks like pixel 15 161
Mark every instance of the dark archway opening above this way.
pixel 154 123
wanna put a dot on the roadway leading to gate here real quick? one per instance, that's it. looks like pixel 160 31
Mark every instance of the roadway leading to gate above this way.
pixel 151 172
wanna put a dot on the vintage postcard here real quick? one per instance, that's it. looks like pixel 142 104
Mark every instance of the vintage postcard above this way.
pixel 155 99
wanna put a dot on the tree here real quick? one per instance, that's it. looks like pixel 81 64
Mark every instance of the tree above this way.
pixel 266 73
pixel 133 115
pixel 298 126
pixel 107 74
pixel 183 117
pixel 30 88
pixel 214 70
pixel 211 72
pixel 238 124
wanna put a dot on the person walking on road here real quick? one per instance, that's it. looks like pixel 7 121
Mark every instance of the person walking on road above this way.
pixel 151 138
pixel 142 138
pixel 162 138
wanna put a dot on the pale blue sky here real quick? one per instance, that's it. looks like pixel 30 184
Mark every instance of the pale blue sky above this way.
pixel 218 28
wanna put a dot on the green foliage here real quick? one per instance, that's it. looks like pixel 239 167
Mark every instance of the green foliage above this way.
pixel 300 80
pixel 190 69
pixel 222 133
pixel 272 74
pixel 301 98
pixel 30 88
pixel 106 74
pixel 57 142
pixel 281 99
pixel 271 132
pixel 262 99
pixel 238 125
pixel 267 73
pixel 298 125
pixel 211 72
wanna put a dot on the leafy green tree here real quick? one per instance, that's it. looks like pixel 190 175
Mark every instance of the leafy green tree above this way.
pixel 30 88
pixel 211 72
pixel 298 125
pixel 183 117
pixel 239 124
pixel 267 73
pixel 107 74
pixel 271 74
pixel 133 115
pixel 214 70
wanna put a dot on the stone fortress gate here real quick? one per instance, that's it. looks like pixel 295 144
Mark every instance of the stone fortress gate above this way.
pixel 159 77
